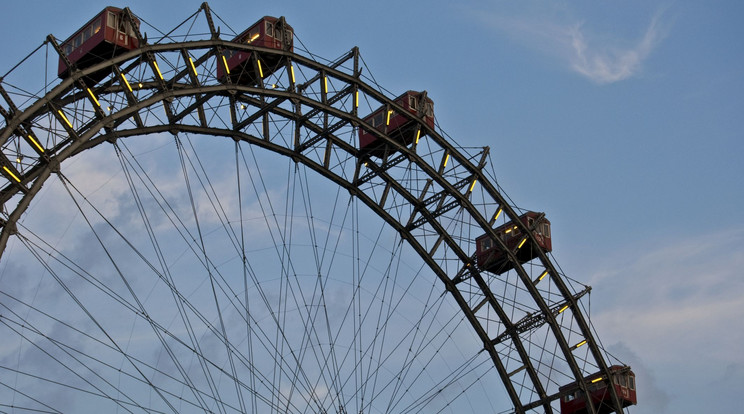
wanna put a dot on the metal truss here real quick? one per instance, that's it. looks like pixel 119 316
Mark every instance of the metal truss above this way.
pixel 310 112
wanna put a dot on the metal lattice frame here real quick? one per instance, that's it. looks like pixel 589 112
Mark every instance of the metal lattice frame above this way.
pixel 189 98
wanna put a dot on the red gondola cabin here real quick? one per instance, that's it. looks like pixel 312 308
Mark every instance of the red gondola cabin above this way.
pixel 105 36
pixel 574 401
pixel 397 126
pixel 489 255
pixel 268 32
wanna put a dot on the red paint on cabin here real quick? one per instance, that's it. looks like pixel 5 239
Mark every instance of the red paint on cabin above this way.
pixel 404 128
pixel 492 258
pixel 105 36
pixel 269 32
pixel 574 401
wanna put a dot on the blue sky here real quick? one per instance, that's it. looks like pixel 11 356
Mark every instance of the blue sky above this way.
pixel 621 120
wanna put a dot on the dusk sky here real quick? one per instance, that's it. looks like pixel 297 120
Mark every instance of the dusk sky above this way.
pixel 622 120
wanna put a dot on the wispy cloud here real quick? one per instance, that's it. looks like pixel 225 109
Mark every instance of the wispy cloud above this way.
pixel 690 283
pixel 600 57
pixel 607 63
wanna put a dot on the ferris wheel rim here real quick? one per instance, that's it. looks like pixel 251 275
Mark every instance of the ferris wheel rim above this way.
pixel 92 137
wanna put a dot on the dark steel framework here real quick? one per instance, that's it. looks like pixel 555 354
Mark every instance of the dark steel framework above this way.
pixel 324 102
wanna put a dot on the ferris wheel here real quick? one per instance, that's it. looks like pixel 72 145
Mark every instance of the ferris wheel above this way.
pixel 199 221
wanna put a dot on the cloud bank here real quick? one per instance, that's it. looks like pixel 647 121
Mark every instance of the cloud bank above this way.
pixel 674 311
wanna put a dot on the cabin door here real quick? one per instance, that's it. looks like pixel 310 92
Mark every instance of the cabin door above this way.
pixel 122 35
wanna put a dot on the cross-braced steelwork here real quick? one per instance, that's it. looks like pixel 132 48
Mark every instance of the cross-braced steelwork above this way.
pixel 334 326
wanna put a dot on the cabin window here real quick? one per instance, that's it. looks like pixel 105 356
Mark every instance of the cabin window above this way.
pixel 540 228
pixel 76 42
pixel 269 29
pixel 86 34
pixel 96 27
pixel 377 120
pixel 130 29
pixel 288 36
pixel 412 102
pixel 429 109
pixel 631 382
pixel 278 34
pixel 68 49
pixel 546 229
pixel 111 21
pixel 486 244
pixel 572 396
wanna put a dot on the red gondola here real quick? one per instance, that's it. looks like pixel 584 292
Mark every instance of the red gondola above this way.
pixel 574 401
pixel 397 126
pixel 489 255
pixel 268 32
pixel 105 36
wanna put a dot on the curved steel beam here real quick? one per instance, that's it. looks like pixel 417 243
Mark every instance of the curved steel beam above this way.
pixel 165 91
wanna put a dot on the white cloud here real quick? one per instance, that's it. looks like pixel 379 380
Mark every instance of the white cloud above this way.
pixel 608 63
pixel 600 57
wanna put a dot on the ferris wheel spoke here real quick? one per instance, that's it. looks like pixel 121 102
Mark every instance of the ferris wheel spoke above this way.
pixel 165 271
pixel 210 261
pixel 326 256
pixel 192 308
pixel 88 366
